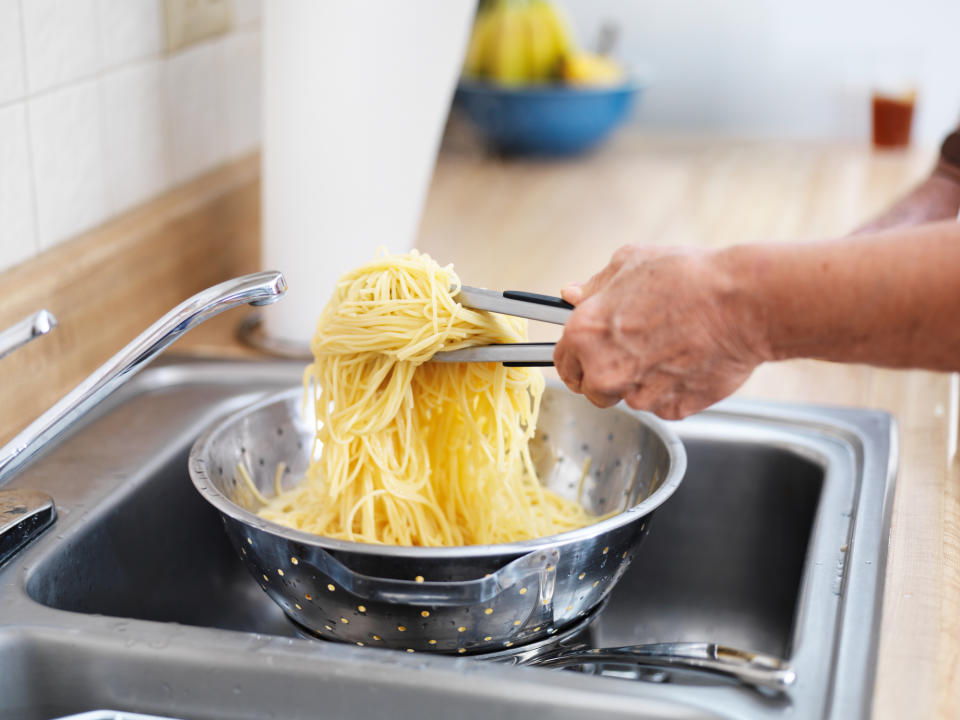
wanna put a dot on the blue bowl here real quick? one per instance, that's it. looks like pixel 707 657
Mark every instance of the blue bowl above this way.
pixel 545 120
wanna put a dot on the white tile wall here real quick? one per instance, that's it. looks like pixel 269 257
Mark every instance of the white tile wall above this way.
pixel 246 12
pixel 129 30
pixel 135 151
pixel 195 101
pixel 241 59
pixel 95 118
pixel 61 41
pixel 17 235
pixel 11 52
pixel 65 140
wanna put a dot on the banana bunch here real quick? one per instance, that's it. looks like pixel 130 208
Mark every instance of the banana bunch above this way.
pixel 518 42
pixel 590 69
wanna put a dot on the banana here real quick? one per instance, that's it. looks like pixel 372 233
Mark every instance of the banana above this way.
pixel 557 26
pixel 507 61
pixel 514 42
pixel 591 70
pixel 479 48
pixel 540 44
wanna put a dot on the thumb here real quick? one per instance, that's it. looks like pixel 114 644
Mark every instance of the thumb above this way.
pixel 572 293
pixel 575 292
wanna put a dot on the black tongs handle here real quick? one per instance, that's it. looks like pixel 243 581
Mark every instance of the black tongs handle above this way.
pixel 538 299
pixel 518 303
pixel 532 306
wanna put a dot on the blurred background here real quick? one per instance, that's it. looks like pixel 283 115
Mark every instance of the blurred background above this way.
pixel 100 112
pixel 787 69
pixel 594 105
pixel 152 148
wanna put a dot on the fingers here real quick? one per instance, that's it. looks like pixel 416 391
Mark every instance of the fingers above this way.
pixel 666 396
pixel 576 348
pixel 597 282
pixel 598 378
pixel 572 293
pixel 600 359
pixel 567 363
pixel 600 398
pixel 655 392
pixel 604 383
pixel 575 292
pixel 623 341
pixel 667 405
pixel 572 358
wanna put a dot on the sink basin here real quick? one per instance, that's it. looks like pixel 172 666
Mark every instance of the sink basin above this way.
pixel 134 600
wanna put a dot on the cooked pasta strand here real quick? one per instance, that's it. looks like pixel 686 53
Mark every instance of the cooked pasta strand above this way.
pixel 413 452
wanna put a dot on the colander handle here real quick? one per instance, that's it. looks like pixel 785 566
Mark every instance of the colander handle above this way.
pixel 535 571
pixel 750 668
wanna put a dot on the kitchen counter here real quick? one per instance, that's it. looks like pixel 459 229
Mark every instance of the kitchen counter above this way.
pixel 537 224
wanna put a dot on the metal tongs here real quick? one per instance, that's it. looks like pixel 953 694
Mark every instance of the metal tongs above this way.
pixel 532 306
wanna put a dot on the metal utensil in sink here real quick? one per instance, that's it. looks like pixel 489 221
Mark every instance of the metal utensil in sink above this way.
pixel 750 668
pixel 572 649
pixel 448 599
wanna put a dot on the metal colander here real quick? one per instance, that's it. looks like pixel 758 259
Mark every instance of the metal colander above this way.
pixel 469 599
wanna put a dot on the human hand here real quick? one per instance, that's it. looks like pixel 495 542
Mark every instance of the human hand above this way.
pixel 666 329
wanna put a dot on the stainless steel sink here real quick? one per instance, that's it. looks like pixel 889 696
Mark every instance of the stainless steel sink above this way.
pixel 775 542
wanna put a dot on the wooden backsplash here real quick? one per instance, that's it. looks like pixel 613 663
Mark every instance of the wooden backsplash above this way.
pixel 109 284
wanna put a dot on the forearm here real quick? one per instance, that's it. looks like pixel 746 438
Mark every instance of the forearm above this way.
pixel 889 299
pixel 936 198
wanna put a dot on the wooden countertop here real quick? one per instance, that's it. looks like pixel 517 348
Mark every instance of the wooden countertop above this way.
pixel 538 224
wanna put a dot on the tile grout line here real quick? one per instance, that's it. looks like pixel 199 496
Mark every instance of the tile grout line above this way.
pixel 106 191
pixel 35 201
pixel 166 131
pixel 99 76
pixel 160 56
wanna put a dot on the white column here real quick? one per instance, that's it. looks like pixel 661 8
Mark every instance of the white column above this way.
pixel 354 102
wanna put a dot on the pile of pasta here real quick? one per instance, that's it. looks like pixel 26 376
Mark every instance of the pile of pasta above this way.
pixel 414 452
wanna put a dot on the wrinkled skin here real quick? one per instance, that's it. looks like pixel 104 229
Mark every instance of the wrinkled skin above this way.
pixel 662 328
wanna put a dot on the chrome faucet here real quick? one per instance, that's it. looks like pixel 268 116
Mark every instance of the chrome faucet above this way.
pixel 260 288
pixel 40 323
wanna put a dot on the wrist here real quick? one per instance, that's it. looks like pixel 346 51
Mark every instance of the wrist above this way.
pixel 742 269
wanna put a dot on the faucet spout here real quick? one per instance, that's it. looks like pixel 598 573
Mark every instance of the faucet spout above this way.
pixel 257 289
pixel 33 326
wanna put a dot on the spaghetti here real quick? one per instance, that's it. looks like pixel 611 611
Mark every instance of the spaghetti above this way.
pixel 413 452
